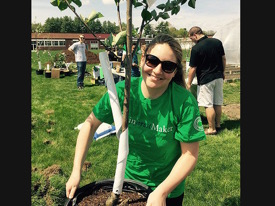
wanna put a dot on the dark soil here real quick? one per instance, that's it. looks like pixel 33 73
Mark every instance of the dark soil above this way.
pixel 99 198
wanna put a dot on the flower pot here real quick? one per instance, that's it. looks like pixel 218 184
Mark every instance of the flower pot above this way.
pixel 39 72
pixel 48 74
pixel 67 72
pixel 85 194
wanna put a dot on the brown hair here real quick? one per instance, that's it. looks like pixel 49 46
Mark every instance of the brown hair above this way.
pixel 179 77
pixel 195 30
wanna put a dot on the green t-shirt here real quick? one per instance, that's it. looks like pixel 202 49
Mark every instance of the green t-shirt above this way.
pixel 155 129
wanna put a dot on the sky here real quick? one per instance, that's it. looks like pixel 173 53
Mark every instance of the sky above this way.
pixel 208 14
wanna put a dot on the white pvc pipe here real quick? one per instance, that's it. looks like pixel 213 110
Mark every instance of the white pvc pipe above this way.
pixel 123 148
pixel 39 65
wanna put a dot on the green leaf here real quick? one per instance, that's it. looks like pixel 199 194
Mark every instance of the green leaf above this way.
pixel 94 15
pixel 183 2
pixel 137 4
pixel 175 10
pixel 192 3
pixel 175 3
pixel 168 7
pixel 77 2
pixel 120 38
pixel 146 15
pixel 164 15
pixel 54 2
pixel 62 5
pixel 108 41
pixel 154 13
pixel 161 6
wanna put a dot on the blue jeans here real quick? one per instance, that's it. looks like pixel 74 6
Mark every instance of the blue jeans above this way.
pixel 135 71
pixel 81 67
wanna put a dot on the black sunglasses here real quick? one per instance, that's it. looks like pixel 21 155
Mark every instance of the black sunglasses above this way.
pixel 153 61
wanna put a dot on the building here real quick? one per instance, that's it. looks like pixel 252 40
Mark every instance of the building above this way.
pixel 62 41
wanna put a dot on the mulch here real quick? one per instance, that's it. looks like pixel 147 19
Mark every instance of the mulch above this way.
pixel 99 198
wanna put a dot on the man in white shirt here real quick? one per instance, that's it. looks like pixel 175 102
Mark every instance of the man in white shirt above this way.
pixel 79 49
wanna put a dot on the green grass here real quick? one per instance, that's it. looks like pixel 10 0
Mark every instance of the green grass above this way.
pixel 57 107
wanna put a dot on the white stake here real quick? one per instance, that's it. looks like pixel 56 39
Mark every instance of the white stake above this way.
pixel 123 148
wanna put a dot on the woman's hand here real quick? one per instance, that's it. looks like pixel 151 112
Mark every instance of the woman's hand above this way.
pixel 156 198
pixel 72 184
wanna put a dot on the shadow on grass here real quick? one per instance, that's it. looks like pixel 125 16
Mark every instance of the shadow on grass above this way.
pixel 228 124
pixel 232 201
pixel 93 85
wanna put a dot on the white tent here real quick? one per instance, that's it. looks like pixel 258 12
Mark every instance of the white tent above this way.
pixel 229 34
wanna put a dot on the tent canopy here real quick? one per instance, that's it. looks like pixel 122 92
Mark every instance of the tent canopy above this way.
pixel 229 34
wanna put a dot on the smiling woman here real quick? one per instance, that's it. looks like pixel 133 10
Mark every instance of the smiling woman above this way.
pixel 160 147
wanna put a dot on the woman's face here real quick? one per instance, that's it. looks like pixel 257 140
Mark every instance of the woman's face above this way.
pixel 156 77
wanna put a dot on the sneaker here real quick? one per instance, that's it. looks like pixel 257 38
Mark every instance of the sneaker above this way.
pixel 80 87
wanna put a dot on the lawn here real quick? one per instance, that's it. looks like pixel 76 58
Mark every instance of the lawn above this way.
pixel 57 107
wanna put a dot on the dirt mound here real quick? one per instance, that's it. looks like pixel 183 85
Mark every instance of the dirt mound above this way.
pixel 232 111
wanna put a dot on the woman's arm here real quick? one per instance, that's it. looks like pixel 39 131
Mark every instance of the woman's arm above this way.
pixel 84 140
pixel 183 167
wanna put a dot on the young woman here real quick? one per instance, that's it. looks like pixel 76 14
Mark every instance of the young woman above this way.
pixel 164 126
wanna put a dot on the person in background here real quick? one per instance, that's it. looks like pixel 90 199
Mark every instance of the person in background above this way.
pixel 164 128
pixel 79 49
pixel 112 55
pixel 207 62
pixel 135 72
pixel 119 53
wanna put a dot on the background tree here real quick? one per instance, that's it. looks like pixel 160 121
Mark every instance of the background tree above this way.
pixel 109 27
pixel 96 26
pixel 53 25
pixel 162 28
pixel 66 25
pixel 182 32
pixel 37 27
pixel 148 30
pixel 78 26
pixel 123 25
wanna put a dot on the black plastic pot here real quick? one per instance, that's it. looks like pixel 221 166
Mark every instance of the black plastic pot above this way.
pixel 48 74
pixel 39 72
pixel 67 73
pixel 128 186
